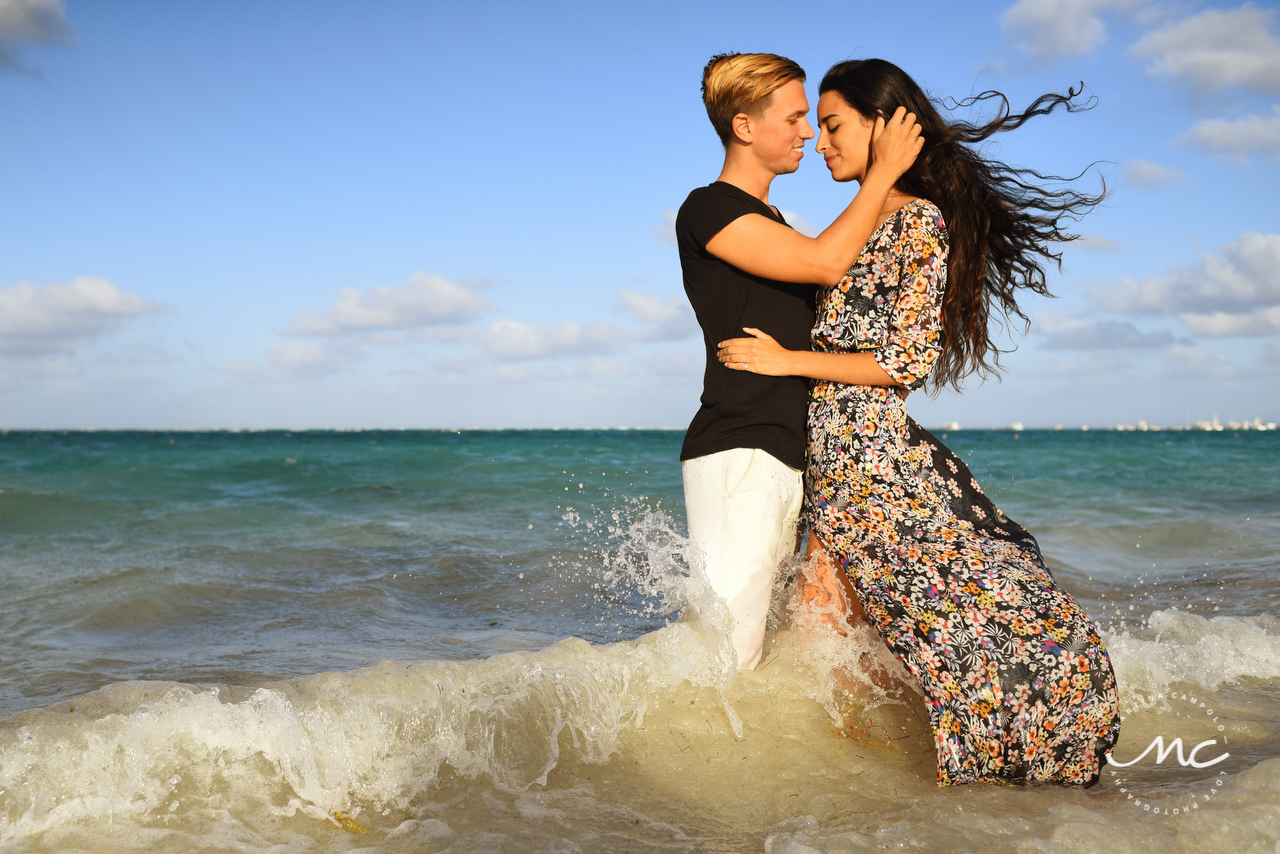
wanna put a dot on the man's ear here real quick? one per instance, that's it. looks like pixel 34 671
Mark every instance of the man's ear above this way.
pixel 743 128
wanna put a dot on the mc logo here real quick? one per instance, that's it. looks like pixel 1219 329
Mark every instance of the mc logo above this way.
pixel 1190 708
pixel 1163 752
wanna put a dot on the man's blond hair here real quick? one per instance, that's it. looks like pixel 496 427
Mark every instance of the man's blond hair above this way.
pixel 734 83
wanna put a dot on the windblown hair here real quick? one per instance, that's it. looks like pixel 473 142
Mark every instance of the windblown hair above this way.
pixel 1001 220
pixel 734 83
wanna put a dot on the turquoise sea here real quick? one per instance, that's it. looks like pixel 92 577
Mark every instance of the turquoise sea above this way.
pixel 428 641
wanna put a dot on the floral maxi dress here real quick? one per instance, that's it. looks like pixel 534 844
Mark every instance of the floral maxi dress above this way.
pixel 1018 682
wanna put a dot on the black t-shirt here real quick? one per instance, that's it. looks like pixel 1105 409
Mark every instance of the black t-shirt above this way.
pixel 741 409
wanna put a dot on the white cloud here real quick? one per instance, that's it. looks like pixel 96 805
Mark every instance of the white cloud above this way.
pixel 18 374
pixel 666 233
pixel 424 300
pixel 1217 48
pixel 426 308
pixel 430 311
pixel 521 372
pixel 57 318
pixel 1260 323
pixel 442 334
pixel 1245 278
pixel 651 309
pixel 671 320
pixel 290 359
pixel 1144 174
pixel 609 369
pixel 690 364
pixel 1191 362
pixel 140 353
pixel 1063 332
pixel 800 224
pixel 1239 137
pixel 310 356
pixel 32 21
pixel 512 339
pixel 1053 29
pixel 1097 243
pixel 26 22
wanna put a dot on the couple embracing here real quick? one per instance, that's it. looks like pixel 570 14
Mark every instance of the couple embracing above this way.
pixel 813 345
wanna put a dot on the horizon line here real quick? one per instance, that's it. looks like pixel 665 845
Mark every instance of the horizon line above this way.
pixel 950 427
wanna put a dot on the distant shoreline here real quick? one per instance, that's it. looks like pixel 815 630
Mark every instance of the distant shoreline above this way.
pixel 952 427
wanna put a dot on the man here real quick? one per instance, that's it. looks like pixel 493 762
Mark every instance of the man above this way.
pixel 745 448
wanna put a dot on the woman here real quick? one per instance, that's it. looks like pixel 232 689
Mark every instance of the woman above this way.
pixel 1019 684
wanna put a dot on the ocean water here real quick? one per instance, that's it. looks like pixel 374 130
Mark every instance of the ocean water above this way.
pixel 430 641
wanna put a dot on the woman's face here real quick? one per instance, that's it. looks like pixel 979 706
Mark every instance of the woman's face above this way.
pixel 844 138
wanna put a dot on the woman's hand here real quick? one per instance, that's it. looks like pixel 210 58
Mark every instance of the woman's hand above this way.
pixel 759 354
pixel 764 247
pixel 895 143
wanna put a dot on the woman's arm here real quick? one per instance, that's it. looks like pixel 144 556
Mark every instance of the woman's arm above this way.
pixel 762 247
pixel 914 339
pixel 761 354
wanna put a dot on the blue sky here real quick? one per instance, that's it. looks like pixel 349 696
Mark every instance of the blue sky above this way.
pixel 395 214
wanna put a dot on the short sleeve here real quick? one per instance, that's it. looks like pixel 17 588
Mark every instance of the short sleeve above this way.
pixel 707 211
pixel 915 326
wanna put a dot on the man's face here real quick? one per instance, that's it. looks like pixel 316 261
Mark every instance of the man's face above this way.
pixel 778 135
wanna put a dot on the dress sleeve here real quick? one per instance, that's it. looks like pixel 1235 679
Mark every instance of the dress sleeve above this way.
pixel 915 326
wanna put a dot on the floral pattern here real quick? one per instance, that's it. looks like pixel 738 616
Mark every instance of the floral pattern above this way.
pixel 1019 684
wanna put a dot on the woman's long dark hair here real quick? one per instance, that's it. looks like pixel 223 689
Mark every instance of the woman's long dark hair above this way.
pixel 1002 223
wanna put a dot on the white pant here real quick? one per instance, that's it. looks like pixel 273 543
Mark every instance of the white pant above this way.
pixel 743 506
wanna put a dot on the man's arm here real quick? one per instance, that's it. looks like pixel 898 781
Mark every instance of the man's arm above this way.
pixel 762 247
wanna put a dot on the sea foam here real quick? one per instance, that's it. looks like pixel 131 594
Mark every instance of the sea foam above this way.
pixel 336 743
pixel 1176 647
pixel 348 748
